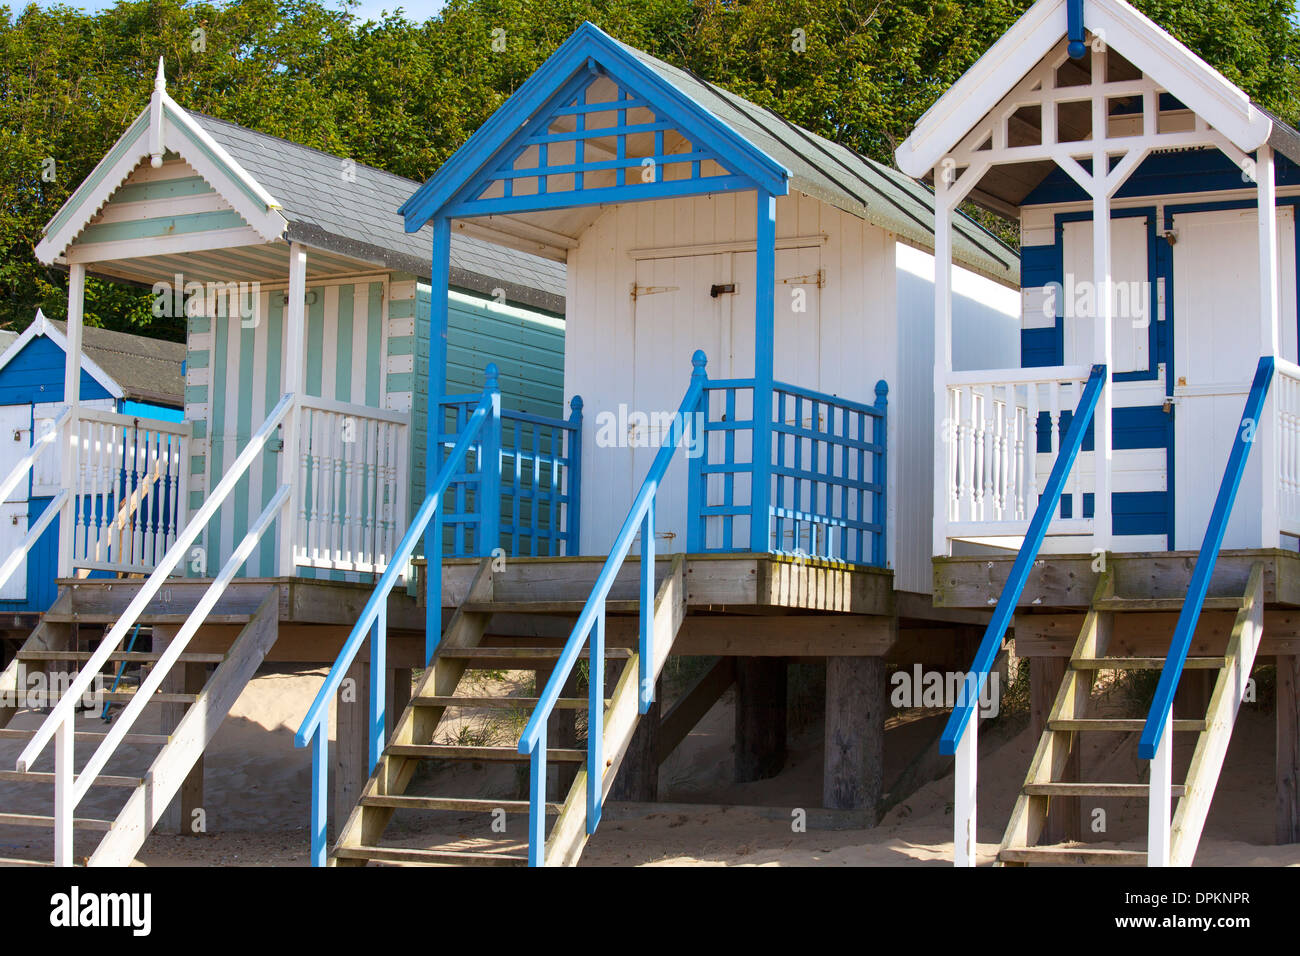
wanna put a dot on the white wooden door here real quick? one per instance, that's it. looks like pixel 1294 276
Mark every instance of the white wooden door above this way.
pixel 1216 349
pixel 15 438
pixel 676 313
pixel 1131 316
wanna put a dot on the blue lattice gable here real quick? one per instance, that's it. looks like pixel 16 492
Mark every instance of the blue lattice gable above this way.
pixel 594 124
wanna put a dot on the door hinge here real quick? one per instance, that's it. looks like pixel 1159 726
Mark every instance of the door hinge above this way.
pixel 640 290
pixel 817 278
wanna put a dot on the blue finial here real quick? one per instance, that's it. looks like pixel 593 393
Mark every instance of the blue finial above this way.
pixel 882 391
pixel 699 360
pixel 1075 29
pixel 490 377
pixel 575 403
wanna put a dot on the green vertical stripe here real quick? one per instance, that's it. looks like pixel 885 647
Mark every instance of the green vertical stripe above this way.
pixel 217 411
pixel 343 346
pixel 247 338
pixel 374 345
pixel 271 461
pixel 315 341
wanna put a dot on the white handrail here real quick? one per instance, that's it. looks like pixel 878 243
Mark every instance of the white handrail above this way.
pixel 65 709
pixel 348 408
pixel 158 672
pixel 1020 376
pixel 39 445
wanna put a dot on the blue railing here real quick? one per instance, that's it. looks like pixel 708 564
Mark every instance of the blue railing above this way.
pixel 1016 580
pixel 589 631
pixel 314 730
pixel 826 473
pixel 1199 587
pixel 538 483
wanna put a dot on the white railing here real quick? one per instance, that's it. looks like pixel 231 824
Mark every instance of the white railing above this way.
pixel 990 471
pixel 69 785
pixel 21 469
pixel 1286 401
pixel 128 488
pixel 352 479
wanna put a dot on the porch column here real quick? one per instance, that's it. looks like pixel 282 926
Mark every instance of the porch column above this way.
pixel 943 206
pixel 295 348
pixel 1269 339
pixel 72 398
pixel 1103 351
pixel 764 346
pixel 440 277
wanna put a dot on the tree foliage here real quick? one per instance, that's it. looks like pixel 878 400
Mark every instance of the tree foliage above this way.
pixel 403 95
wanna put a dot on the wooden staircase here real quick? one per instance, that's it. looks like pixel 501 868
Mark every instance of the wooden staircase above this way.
pixel 209 685
pixel 366 837
pixel 1069 718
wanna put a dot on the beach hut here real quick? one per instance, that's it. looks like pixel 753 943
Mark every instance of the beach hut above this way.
pixel 298 455
pixel 749 330
pixel 1127 488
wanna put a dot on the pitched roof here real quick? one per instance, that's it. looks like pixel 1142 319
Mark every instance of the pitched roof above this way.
pixel 356 214
pixel 837 175
pixel 147 370
pixel 778 154
pixel 1137 38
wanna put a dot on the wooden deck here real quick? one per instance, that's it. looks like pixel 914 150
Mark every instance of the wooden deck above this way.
pixel 1060 588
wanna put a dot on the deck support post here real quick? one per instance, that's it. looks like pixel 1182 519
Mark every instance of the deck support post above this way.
pixel 433 453
pixel 183 679
pixel 638 774
pixel 1160 800
pixel 294 367
pixel 399 695
pixel 351 741
pixel 1288 748
pixel 764 347
pixel 760 717
pixel 1064 813
pixel 856 705
pixel 71 398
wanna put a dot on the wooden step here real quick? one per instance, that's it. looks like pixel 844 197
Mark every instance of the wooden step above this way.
pixel 129 657
pixel 462 804
pixel 8 733
pixel 34 776
pixel 19 861
pixel 523 703
pixel 158 697
pixel 454 752
pixel 1128 790
pixel 30 820
pixel 1143 663
pixel 1167 604
pixel 386 854
pixel 563 608
pixel 1073 856
pixel 1134 725
pixel 97 617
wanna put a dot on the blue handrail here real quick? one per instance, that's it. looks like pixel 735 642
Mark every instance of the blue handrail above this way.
pixel 314 728
pixel 1163 702
pixel 640 517
pixel 1019 576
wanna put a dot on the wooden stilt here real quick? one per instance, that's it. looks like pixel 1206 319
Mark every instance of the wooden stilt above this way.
pixel 638 776
pixel 1064 814
pixel 351 741
pixel 1288 748
pixel 760 717
pixel 399 695
pixel 853 777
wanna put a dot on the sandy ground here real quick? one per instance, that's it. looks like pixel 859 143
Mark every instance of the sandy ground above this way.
pixel 257 798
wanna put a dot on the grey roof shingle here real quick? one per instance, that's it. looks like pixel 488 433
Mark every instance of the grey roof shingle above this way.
pixel 147 370
pixel 356 214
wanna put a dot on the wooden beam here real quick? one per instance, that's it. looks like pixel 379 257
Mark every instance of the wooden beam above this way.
pixel 760 717
pixel 637 778
pixel 351 741
pixel 1147 634
pixel 693 704
pixel 1288 748
pixel 856 705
